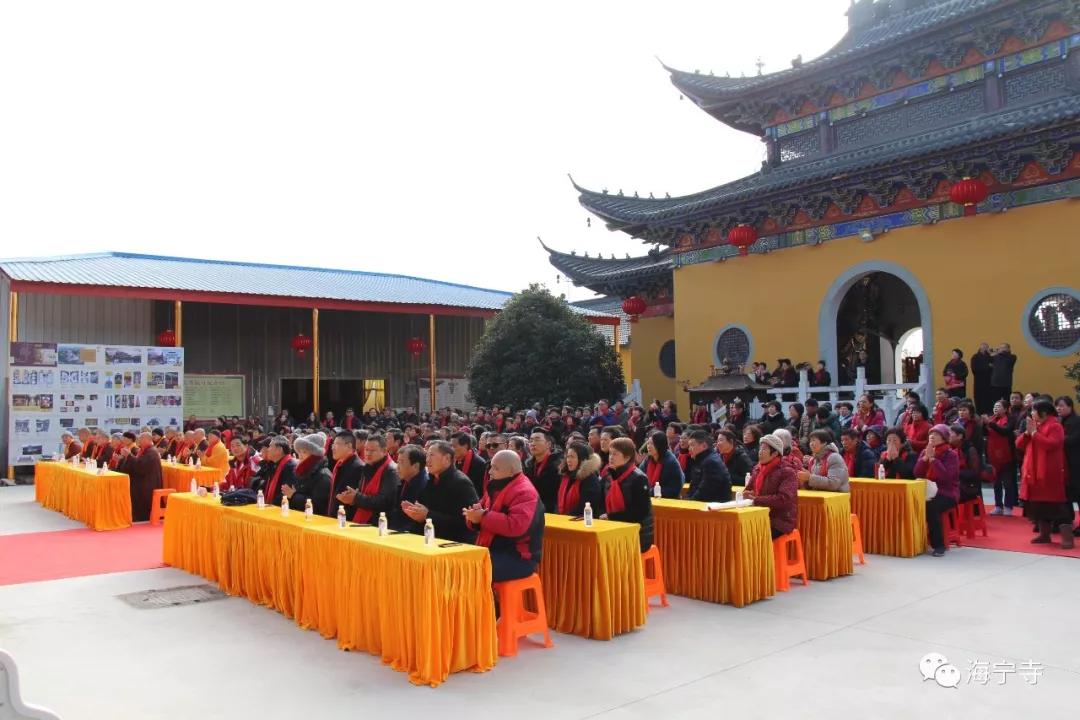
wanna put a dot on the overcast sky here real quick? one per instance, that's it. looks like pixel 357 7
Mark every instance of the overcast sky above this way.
pixel 430 139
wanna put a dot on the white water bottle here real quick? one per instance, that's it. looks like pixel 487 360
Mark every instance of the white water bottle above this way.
pixel 260 500
pixel 429 532
pixel 309 510
pixel 747 480
pixel 382 525
pixel 191 461
pixel 880 472
pixel 101 470
pixel 341 516
pixel 284 506
pixel 194 486
pixel 217 489
pixel 587 514
pixel 198 462
pixel 657 492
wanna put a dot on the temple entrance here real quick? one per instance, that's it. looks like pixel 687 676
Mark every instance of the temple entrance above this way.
pixel 870 315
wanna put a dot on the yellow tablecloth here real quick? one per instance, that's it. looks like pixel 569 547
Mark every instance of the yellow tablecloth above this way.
pixel 594 585
pixel 825 527
pixel 102 502
pixel 724 556
pixel 892 514
pixel 178 477
pixel 427 611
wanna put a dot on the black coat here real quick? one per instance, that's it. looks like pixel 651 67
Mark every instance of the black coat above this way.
pixel 1071 425
pixel 738 466
pixel 313 485
pixel 635 490
pixel 1001 371
pixel 768 424
pixel 477 470
pixel 709 479
pixel 384 499
pixel 348 476
pixel 902 468
pixel 547 484
pixel 981 364
pixel 865 460
pixel 287 477
pixel 410 491
pixel 445 496
pixel 589 490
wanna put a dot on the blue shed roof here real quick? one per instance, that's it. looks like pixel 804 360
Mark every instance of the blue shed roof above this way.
pixel 133 270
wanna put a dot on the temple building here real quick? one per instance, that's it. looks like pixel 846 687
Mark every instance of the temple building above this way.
pixel 922 175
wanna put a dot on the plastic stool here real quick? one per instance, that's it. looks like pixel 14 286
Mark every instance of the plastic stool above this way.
pixel 950 527
pixel 654 582
pixel 856 539
pixel 157 505
pixel 973 517
pixel 515 621
pixel 786 567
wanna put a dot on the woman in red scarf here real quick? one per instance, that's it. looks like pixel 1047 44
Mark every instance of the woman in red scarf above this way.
pixel 775 487
pixel 1042 477
pixel 940 464
pixel 580 481
pixel 626 491
pixel 917 427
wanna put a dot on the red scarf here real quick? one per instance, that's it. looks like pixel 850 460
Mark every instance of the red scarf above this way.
pixel 849 460
pixel 333 483
pixel 538 468
pixel 272 486
pixel 652 470
pixel 939 450
pixel 370 487
pixel 819 466
pixel 485 537
pixel 614 502
pixel 684 460
pixel 569 495
pixel 98 449
pixel 114 459
pixel 764 470
pixel 466 463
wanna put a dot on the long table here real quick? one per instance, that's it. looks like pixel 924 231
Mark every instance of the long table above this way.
pixel 425 610
pixel 102 502
pixel 594 585
pixel 892 514
pixel 178 476
pixel 723 556
pixel 825 527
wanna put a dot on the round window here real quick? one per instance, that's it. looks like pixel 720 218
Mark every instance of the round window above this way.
pixel 1053 322
pixel 667 359
pixel 733 345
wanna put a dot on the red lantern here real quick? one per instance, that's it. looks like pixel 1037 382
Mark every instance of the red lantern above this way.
pixel 742 237
pixel 300 344
pixel 968 192
pixel 166 338
pixel 416 346
pixel 634 306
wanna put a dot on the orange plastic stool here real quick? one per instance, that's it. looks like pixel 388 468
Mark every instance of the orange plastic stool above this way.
pixel 654 582
pixel 950 527
pixel 157 505
pixel 973 517
pixel 786 566
pixel 515 621
pixel 856 539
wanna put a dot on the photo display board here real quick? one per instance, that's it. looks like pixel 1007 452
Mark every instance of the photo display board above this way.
pixel 55 387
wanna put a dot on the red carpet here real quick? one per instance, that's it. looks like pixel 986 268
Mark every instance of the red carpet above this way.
pixel 1014 534
pixel 32 557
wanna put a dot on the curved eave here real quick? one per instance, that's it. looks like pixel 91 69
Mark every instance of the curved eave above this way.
pixel 601 272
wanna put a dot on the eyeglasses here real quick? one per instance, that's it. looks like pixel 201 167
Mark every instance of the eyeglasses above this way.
pixel 492 446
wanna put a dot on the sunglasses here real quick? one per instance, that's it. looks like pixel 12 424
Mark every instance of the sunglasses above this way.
pixel 492 446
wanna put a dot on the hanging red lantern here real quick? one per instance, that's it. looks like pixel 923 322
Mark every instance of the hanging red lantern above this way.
pixel 416 346
pixel 300 343
pixel 634 306
pixel 969 192
pixel 166 338
pixel 742 237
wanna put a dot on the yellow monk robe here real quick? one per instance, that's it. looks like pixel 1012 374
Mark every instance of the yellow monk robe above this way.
pixel 217 457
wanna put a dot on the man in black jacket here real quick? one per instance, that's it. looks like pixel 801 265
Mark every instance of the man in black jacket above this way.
pixel 469 461
pixel 276 470
pixel 709 479
pixel 1001 374
pixel 981 363
pixel 543 468
pixel 347 470
pixel 447 493
pixel 378 486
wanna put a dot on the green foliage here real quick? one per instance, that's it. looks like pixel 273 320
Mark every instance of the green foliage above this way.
pixel 538 350
pixel 1073 373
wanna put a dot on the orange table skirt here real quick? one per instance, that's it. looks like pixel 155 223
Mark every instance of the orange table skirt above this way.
pixel 594 585
pixel 178 477
pixel 892 514
pixel 102 502
pixel 825 526
pixel 427 611
pixel 724 556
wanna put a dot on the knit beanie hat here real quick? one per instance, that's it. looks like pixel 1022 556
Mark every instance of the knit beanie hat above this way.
pixel 942 430
pixel 315 444
pixel 774 442
pixel 785 437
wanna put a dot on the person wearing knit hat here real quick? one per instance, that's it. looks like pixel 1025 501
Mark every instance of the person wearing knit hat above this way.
pixel 943 432
pixel 940 464
pixel 775 486
pixel 313 479
pixel 775 442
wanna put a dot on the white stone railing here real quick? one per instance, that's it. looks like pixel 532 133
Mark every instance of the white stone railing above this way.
pixel 889 397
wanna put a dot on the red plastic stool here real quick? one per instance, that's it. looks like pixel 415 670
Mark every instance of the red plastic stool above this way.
pixel 950 527
pixel 654 581
pixel 515 621
pixel 157 505
pixel 973 517
pixel 787 566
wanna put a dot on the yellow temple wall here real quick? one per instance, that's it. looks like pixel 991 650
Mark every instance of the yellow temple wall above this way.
pixel 977 276
pixel 647 336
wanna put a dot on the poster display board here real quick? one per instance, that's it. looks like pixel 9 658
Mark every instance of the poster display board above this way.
pixel 449 392
pixel 211 396
pixel 65 386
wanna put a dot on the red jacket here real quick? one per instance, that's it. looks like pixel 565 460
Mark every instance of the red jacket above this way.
pixel 779 491
pixel 242 471
pixel 1042 478
pixel 918 434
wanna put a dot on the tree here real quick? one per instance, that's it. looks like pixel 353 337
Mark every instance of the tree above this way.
pixel 1072 372
pixel 539 350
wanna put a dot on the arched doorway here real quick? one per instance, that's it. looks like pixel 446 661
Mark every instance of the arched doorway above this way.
pixel 872 307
